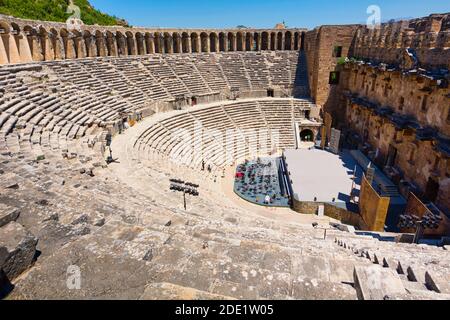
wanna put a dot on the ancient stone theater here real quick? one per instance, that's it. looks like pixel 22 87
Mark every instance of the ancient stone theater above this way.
pixel 283 163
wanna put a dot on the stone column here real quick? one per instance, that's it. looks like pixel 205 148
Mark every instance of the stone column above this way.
pixel 178 43
pixel 189 44
pixel 49 53
pixel 131 42
pixel 36 48
pixel 234 42
pixel 3 54
pixel 140 45
pixel 59 48
pixel 112 45
pixel 101 45
pixel 169 41
pixel 225 42
pixel 150 41
pixel 208 43
pixel 87 45
pixel 13 50
pixel 121 48
pixel 293 41
pixel 250 42
pixel 70 47
pixel 243 44
pixel 24 48
pixel 283 44
pixel 217 44
pixel 81 47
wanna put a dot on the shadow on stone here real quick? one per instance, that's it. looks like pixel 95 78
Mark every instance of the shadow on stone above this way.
pixel 6 287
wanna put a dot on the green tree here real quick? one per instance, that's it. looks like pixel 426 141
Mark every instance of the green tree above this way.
pixel 56 10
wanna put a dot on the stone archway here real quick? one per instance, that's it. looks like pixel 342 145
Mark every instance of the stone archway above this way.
pixel 195 43
pixel 213 42
pixel 273 41
pixel 307 135
pixel 185 43
pixel 265 43
pixel 279 41
pixel 231 42
pixel 239 42
pixel 176 43
pixel 288 41
pixel 222 42
pixel 296 41
pixel 159 46
pixel 248 42
pixel 204 42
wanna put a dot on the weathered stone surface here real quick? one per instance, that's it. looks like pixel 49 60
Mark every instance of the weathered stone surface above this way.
pixel 314 289
pixel 9 181
pixel 168 291
pixel 8 214
pixel 375 283
pixel 101 274
pixel 17 249
pixel 438 283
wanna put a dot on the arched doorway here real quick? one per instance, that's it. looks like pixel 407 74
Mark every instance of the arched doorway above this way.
pixel 158 42
pixel 296 41
pixel 240 42
pixel 279 41
pixel 168 43
pixel 194 43
pixel 265 41
pixel 288 41
pixel 248 42
pixel 176 43
pixel 185 43
pixel 231 42
pixel 204 42
pixel 307 135
pixel 213 42
pixel 222 42
pixel 256 42
pixel 273 40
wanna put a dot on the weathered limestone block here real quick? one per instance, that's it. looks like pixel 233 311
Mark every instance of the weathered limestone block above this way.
pixel 375 283
pixel 8 214
pixel 9 181
pixel 17 249
pixel 167 291
pixel 440 284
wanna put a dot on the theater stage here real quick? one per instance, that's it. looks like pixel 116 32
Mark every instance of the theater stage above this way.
pixel 322 175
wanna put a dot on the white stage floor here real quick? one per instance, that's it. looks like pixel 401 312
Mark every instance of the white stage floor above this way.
pixel 321 174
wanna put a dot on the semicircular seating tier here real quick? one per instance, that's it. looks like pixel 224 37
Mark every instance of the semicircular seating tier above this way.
pixel 220 134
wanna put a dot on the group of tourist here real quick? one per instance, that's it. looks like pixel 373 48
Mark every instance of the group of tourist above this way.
pixel 258 181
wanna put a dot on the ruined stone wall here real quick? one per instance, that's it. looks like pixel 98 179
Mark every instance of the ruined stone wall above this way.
pixel 404 120
pixel 428 36
pixel 394 105
pixel 424 99
pixel 28 40
pixel 320 44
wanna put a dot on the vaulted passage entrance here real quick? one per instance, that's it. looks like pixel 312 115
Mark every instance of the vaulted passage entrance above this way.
pixel 307 135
